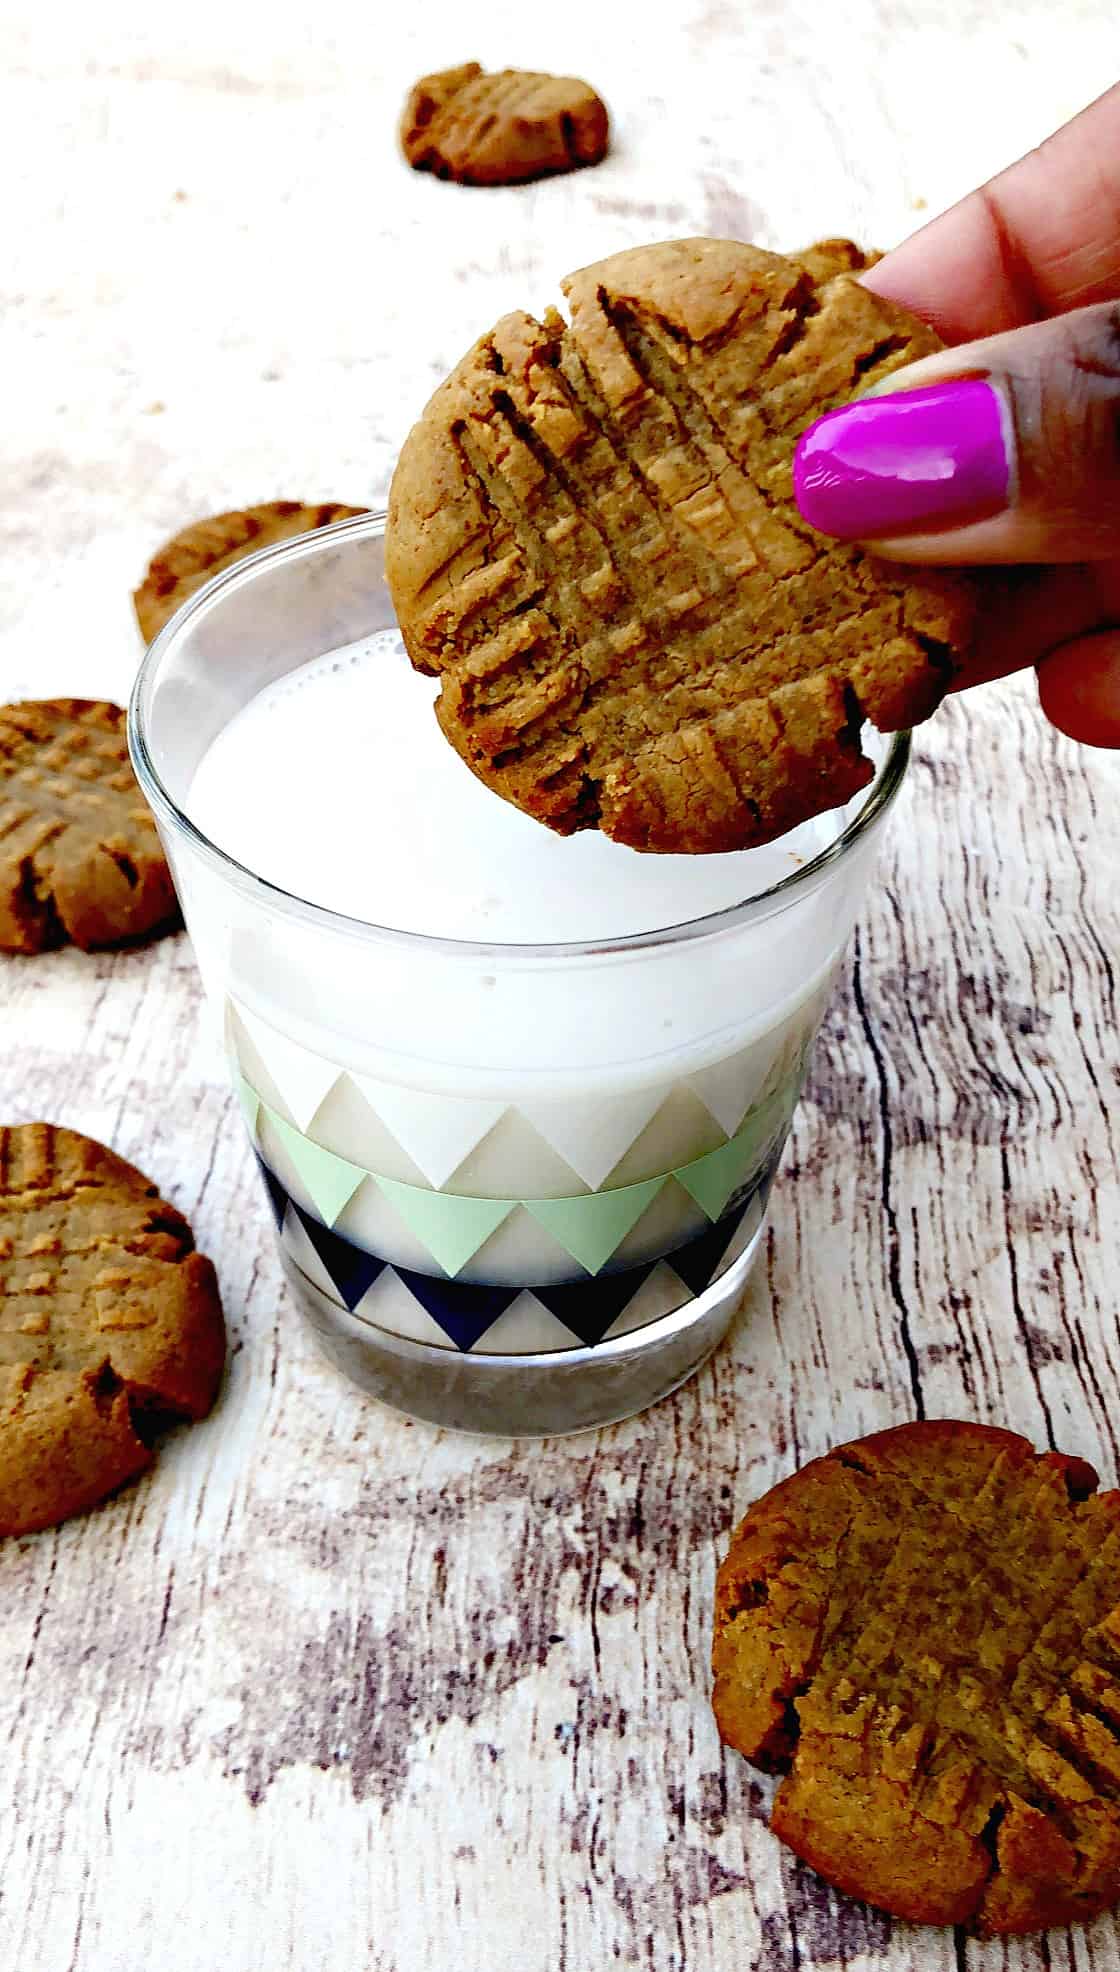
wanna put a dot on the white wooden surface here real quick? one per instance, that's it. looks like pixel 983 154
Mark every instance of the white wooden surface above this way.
pixel 333 1689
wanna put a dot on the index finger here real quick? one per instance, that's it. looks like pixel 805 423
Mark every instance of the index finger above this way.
pixel 1042 237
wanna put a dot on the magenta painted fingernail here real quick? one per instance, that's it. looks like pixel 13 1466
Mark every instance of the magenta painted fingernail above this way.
pixel 905 461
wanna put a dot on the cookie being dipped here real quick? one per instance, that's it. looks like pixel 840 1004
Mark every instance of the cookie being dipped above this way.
pixel 593 542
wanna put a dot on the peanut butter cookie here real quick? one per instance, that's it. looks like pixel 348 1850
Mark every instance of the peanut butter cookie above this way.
pixel 501 129
pixel 593 541
pixel 80 858
pixel 924 1628
pixel 826 258
pixel 109 1319
pixel 190 558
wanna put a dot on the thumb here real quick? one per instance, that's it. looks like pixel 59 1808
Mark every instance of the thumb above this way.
pixel 1005 450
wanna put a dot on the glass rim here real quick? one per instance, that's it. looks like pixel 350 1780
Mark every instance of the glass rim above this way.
pixel 754 909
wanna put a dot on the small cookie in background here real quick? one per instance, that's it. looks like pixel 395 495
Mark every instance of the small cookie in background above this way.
pixel 593 542
pixel 922 1629
pixel 80 858
pixel 502 129
pixel 110 1324
pixel 191 557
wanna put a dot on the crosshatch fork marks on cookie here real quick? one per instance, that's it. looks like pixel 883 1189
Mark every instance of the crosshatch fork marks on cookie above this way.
pixel 109 1318
pixel 593 542
pixel 80 857
pixel 924 1628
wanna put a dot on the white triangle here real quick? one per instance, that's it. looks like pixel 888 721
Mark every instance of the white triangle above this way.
pixel 300 1079
pixel 300 1250
pixel 519 1250
pixel 370 1221
pixel 682 1129
pixel 437 1132
pixel 671 1219
pixel 728 1088
pixel 527 1328
pixel 346 1124
pixel 594 1136
pixel 658 1295
pixel 514 1161
pixel 388 1304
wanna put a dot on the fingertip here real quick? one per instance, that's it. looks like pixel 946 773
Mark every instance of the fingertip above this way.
pixel 1079 689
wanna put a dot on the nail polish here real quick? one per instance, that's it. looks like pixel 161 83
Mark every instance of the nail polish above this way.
pixel 905 461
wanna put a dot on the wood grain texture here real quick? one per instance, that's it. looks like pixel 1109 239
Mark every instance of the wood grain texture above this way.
pixel 332 1688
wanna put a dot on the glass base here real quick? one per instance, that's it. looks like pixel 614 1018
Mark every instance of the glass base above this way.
pixel 529 1396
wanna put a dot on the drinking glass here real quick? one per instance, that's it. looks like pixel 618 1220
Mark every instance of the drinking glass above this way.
pixel 518 1189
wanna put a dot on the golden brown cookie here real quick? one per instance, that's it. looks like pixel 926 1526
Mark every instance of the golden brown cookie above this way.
pixel 80 858
pixel 924 1628
pixel 592 540
pixel 501 129
pixel 109 1322
pixel 190 558
pixel 826 258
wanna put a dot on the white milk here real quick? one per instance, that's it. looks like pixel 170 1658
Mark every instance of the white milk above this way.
pixel 337 785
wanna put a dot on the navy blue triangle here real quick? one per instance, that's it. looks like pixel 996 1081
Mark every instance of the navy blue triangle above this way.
pixel 588 1307
pixel 350 1267
pixel 277 1196
pixel 696 1263
pixel 463 1311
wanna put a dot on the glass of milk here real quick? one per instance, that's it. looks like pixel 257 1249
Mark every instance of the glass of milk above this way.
pixel 517 1100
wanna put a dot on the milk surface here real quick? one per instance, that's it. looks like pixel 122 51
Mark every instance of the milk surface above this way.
pixel 337 785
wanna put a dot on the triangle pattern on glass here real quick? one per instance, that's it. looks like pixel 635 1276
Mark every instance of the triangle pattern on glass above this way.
pixel 660 1295
pixel 250 1102
pixel 331 1182
pixel 436 1132
pixel 352 1271
pixel 593 1138
pixel 712 1179
pixel 301 1079
pixel 526 1329
pixel 390 1305
pixel 590 1228
pixel 346 1124
pixel 277 1196
pixel 514 1158
pixel 451 1228
pixel 679 1130
pixel 697 1263
pixel 299 1251
pixel 728 1088
pixel 463 1312
pixel 588 1307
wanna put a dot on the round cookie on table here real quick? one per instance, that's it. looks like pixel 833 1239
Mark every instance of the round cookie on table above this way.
pixel 503 128
pixel 110 1323
pixel 206 547
pixel 593 542
pixel 922 1629
pixel 80 858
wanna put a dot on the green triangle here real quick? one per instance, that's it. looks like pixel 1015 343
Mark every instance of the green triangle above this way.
pixel 594 1226
pixel 712 1179
pixel 250 1102
pixel 451 1227
pixel 331 1182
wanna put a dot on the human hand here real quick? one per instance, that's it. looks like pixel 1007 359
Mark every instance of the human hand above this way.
pixel 1005 447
